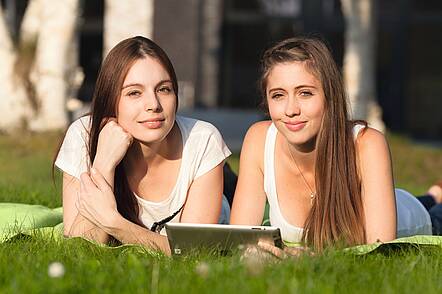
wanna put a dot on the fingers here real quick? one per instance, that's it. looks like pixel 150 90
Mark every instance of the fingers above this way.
pixel 112 124
pixel 272 249
pixel 106 120
pixel 294 251
pixel 77 201
pixel 86 183
pixel 99 180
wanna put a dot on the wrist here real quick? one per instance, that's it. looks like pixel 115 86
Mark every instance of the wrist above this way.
pixel 105 167
pixel 113 223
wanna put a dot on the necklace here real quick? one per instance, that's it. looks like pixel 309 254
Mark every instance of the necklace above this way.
pixel 312 194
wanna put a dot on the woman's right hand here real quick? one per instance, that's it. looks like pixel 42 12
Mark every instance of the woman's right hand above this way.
pixel 285 252
pixel 113 143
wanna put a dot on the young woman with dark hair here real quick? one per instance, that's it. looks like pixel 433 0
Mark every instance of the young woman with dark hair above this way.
pixel 328 180
pixel 132 164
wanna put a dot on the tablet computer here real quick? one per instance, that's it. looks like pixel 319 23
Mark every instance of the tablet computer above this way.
pixel 185 238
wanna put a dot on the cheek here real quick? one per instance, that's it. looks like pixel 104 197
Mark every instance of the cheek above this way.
pixel 275 108
pixel 169 105
pixel 316 108
pixel 125 112
pixel 319 111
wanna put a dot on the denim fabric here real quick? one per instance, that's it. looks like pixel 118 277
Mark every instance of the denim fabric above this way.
pixel 435 211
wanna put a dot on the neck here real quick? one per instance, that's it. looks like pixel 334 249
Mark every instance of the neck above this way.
pixel 304 155
pixel 141 155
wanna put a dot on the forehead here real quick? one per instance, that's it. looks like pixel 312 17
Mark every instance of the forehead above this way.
pixel 291 74
pixel 147 70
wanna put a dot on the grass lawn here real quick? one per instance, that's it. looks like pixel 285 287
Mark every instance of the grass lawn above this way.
pixel 25 176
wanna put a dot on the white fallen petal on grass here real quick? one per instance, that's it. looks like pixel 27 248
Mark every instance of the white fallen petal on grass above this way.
pixel 202 269
pixel 56 269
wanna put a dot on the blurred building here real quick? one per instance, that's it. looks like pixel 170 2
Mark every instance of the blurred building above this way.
pixel 216 45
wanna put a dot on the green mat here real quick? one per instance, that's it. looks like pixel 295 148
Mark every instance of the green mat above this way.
pixel 35 220
pixel 17 218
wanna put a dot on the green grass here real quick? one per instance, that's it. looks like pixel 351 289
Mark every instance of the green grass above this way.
pixel 415 166
pixel 26 169
pixel 25 176
pixel 88 268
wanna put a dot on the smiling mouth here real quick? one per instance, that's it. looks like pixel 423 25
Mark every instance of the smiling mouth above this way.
pixel 152 123
pixel 297 126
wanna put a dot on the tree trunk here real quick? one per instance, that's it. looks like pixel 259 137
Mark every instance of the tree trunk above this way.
pixel 360 61
pixel 31 21
pixel 56 42
pixel 210 38
pixel 14 105
pixel 125 19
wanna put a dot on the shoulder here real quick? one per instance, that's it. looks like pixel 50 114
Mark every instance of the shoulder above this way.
pixel 81 125
pixel 371 144
pixel 72 157
pixel 198 131
pixel 258 131
pixel 369 138
pixel 196 126
pixel 202 135
pixel 254 141
pixel 77 133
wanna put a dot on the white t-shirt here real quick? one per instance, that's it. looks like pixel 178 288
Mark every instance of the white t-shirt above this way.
pixel 412 217
pixel 203 150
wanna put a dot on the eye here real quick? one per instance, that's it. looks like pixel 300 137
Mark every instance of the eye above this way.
pixel 305 93
pixel 134 93
pixel 164 89
pixel 277 96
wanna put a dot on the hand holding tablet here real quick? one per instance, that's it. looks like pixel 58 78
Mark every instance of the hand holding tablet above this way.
pixel 184 237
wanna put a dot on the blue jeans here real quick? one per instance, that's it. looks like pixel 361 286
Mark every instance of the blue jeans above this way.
pixel 435 211
pixel 224 218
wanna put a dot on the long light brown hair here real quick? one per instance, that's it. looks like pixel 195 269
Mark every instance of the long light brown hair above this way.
pixel 336 216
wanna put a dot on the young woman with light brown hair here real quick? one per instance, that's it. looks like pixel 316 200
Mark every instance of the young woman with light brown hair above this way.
pixel 327 179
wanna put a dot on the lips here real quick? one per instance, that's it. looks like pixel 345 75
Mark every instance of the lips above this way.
pixel 295 126
pixel 152 123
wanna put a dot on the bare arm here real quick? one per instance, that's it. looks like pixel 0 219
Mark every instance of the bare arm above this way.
pixel 76 225
pixel 112 146
pixel 202 206
pixel 204 198
pixel 378 198
pixel 129 233
pixel 250 198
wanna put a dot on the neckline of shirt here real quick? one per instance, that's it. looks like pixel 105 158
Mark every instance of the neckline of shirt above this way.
pixel 169 197
pixel 273 178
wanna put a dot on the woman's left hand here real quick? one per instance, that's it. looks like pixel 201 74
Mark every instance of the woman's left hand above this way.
pixel 96 201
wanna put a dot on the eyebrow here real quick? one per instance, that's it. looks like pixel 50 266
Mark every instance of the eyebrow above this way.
pixel 296 88
pixel 131 85
pixel 140 85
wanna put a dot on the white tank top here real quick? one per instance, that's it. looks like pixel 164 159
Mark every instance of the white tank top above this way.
pixel 412 217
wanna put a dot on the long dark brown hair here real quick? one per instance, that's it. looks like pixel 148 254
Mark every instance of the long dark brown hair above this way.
pixel 336 216
pixel 107 91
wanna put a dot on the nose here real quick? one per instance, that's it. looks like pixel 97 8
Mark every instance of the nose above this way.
pixel 292 107
pixel 152 103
